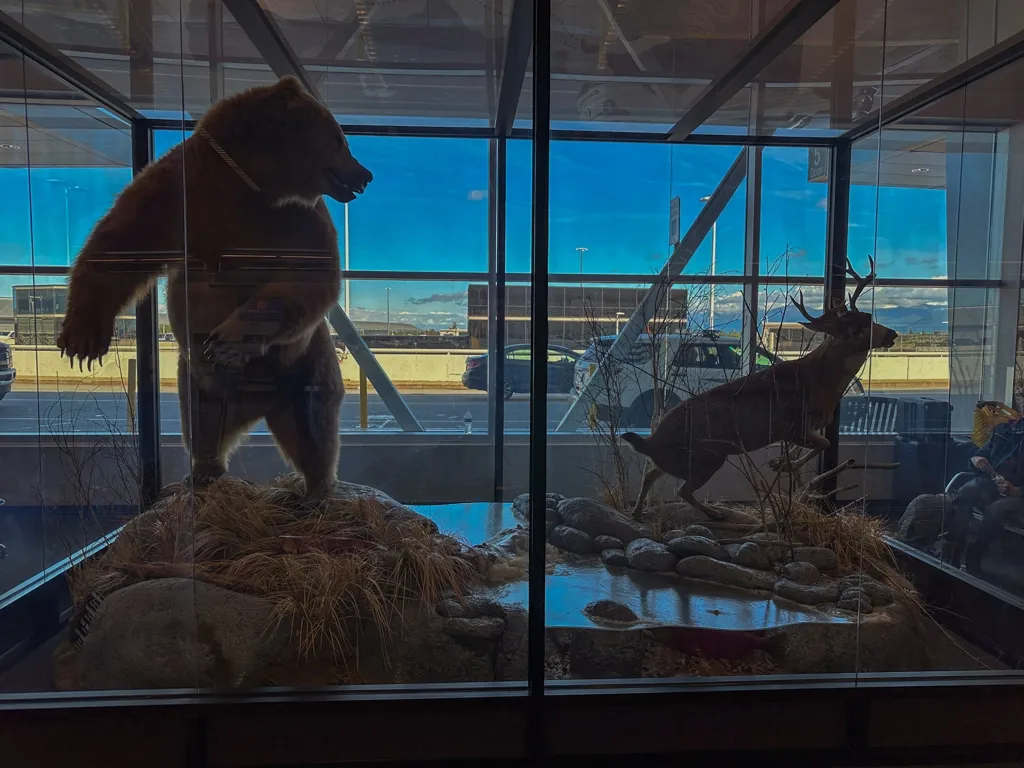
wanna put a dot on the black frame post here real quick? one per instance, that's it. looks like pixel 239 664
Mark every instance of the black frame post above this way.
pixel 538 364
pixel 147 352
pixel 496 291
pixel 835 276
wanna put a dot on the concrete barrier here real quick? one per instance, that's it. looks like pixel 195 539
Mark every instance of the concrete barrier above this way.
pixel 420 368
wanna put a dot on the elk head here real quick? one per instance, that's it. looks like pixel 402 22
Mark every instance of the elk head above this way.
pixel 849 326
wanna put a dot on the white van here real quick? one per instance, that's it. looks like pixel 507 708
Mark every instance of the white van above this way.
pixel 689 364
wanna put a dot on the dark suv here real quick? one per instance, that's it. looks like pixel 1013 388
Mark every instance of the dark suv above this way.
pixel 7 372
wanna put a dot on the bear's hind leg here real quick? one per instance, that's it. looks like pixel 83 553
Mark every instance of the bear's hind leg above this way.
pixel 211 425
pixel 307 434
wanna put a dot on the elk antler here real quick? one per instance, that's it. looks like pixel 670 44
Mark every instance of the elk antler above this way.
pixel 862 282
pixel 799 304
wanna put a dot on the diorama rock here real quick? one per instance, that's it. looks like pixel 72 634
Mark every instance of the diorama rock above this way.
pixel 572 540
pixel 487 627
pixel 470 606
pixel 801 572
pixel 855 600
pixel 878 593
pixel 675 533
pixel 597 653
pixel 807 594
pixel 821 558
pixel 698 530
pixel 610 610
pixel 686 546
pixel 395 510
pixel 598 519
pixel 922 521
pixel 179 633
pixel 649 555
pixel 614 557
pixel 721 572
pixel 608 542
pixel 521 508
pixel 749 555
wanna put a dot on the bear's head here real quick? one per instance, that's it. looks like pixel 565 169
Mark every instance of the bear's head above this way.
pixel 288 143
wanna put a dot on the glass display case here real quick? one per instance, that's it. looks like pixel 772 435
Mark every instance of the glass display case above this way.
pixel 555 367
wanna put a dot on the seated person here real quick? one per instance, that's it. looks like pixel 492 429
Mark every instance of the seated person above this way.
pixel 997 491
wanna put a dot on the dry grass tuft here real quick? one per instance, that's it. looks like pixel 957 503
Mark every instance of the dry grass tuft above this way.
pixel 328 570
pixel 856 538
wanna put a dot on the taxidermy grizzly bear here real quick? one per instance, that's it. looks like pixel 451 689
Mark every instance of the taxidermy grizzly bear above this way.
pixel 241 198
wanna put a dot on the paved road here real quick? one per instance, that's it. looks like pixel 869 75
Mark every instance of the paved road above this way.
pixel 61 413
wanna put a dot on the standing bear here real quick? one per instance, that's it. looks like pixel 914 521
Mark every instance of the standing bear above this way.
pixel 234 216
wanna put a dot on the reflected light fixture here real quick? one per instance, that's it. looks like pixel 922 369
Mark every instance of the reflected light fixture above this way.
pixel 9 146
pixel 920 170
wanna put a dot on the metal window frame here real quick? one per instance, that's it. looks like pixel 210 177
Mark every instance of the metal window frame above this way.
pixel 535 16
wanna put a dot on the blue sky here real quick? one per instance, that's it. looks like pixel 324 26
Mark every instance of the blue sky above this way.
pixel 427 210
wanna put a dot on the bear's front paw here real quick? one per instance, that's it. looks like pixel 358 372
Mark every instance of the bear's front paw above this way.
pixel 85 338
pixel 226 353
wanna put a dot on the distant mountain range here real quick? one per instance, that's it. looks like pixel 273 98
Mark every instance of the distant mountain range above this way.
pixel 920 318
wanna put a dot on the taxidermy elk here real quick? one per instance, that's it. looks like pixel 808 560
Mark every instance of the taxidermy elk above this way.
pixel 786 402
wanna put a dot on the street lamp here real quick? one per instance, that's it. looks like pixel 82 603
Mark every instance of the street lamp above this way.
pixel 67 219
pixel 618 317
pixel 714 256
pixel 388 293
pixel 581 250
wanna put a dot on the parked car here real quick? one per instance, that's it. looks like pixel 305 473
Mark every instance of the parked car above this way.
pixel 692 363
pixel 7 336
pixel 7 372
pixel 561 364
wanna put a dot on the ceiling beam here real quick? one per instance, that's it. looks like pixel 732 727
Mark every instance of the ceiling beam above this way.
pixel 74 74
pixel 789 25
pixel 985 63
pixel 513 70
pixel 270 42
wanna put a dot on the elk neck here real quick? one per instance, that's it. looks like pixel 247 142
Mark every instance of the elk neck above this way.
pixel 836 363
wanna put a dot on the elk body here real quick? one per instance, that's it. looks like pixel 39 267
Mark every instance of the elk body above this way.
pixel 787 402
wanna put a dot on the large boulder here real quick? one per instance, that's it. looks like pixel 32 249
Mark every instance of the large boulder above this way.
pixel 572 540
pixel 178 633
pixel 821 558
pixel 598 519
pixel 397 511
pixel 610 610
pixel 807 594
pixel 614 557
pixel 750 555
pixel 923 519
pixel 686 546
pixel 521 508
pixel 721 572
pixel 649 555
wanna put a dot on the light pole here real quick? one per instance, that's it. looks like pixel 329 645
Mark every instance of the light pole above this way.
pixel 714 256
pixel 388 292
pixel 618 318
pixel 581 250
pixel 67 218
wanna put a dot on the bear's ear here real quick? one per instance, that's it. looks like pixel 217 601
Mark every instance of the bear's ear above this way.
pixel 290 86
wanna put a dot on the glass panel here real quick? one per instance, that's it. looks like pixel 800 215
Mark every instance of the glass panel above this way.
pixel 67 436
pixel 389 63
pixel 934 198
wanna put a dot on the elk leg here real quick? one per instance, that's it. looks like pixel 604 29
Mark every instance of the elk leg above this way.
pixel 685 492
pixel 816 443
pixel 702 468
pixel 786 459
pixel 650 476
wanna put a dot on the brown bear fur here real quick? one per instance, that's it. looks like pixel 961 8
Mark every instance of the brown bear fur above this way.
pixel 253 338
